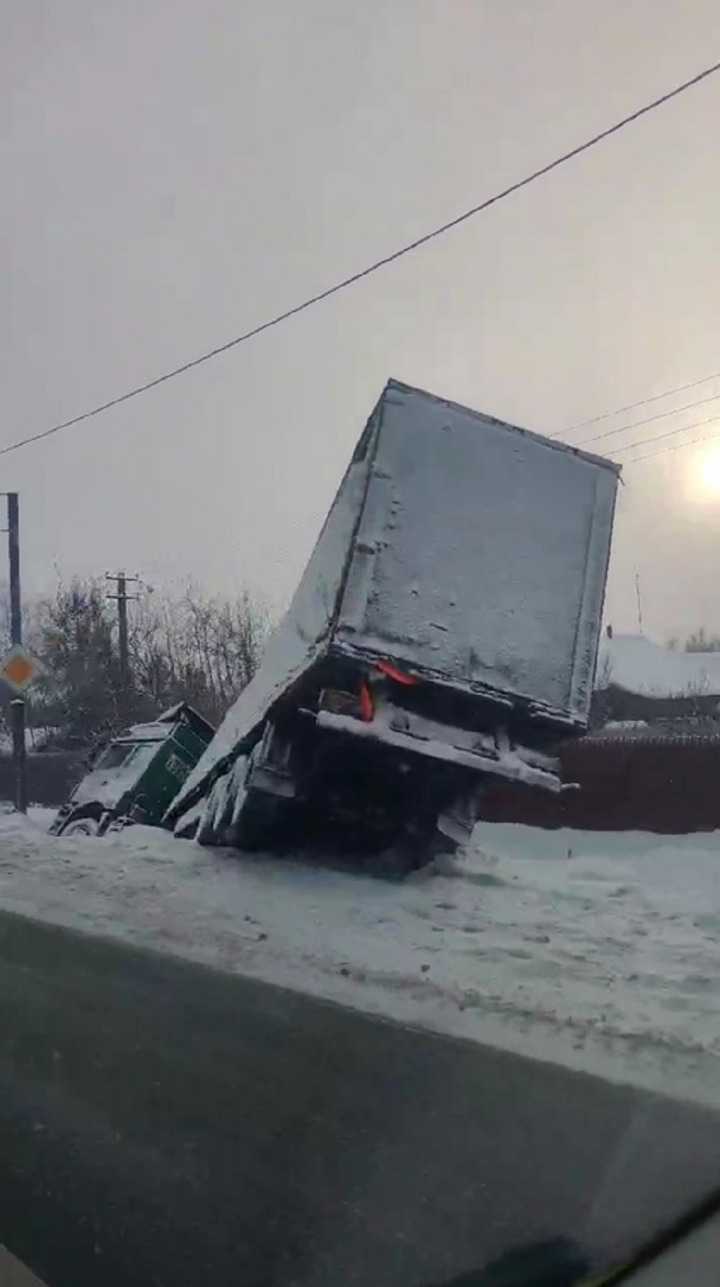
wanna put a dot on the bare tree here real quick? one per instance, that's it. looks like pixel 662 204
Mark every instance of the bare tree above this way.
pixel 189 647
pixel 197 648
pixel 72 633
pixel 697 693
pixel 701 641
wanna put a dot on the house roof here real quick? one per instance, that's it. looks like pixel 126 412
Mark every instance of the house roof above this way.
pixel 640 665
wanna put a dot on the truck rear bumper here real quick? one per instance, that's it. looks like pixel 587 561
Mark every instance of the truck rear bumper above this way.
pixel 439 742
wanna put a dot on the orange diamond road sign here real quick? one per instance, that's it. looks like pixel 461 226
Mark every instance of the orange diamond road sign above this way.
pixel 19 668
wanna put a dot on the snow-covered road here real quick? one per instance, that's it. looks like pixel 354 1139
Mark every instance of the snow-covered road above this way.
pixel 599 951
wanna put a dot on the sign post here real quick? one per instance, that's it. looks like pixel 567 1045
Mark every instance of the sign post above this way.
pixel 18 668
pixel 18 703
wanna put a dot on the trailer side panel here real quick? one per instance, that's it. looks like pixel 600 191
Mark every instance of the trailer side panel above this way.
pixel 304 631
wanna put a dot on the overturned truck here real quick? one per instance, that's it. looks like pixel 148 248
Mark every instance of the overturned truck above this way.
pixel 444 633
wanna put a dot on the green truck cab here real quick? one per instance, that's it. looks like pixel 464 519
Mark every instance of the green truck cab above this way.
pixel 136 775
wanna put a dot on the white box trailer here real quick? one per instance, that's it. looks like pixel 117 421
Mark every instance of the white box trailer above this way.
pixel 445 628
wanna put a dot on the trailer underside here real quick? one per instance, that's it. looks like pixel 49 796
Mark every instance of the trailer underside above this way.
pixel 349 763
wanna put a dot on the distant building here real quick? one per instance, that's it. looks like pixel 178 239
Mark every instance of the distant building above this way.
pixel 638 679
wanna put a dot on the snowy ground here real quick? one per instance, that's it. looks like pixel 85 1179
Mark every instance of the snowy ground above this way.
pixel 599 951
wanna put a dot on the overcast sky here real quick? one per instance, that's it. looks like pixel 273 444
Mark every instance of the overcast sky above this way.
pixel 175 172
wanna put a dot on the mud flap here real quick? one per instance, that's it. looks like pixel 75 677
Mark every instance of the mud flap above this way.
pixel 458 822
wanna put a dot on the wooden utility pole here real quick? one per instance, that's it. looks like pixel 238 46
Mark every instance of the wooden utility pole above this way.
pixel 121 597
pixel 17 705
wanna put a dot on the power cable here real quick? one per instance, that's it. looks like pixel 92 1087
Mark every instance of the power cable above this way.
pixel 373 267
pixel 672 433
pixel 674 446
pixel 633 406
pixel 635 424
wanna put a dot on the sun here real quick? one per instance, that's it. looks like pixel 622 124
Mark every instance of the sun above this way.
pixel 706 472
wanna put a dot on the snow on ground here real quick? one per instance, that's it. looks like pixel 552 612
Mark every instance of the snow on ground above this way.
pixel 640 665
pixel 601 951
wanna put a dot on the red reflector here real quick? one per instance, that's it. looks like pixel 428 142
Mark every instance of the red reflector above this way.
pixel 367 710
pixel 358 705
pixel 392 672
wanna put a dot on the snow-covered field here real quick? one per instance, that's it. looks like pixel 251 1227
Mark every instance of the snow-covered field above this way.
pixel 595 950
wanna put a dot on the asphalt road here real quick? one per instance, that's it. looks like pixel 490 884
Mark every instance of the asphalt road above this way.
pixel 165 1124
pixel 13 1274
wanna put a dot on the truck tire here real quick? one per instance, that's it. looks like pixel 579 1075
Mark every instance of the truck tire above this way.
pixel 218 808
pixel 257 817
pixel 241 816
pixel 258 821
pixel 416 847
pixel 81 827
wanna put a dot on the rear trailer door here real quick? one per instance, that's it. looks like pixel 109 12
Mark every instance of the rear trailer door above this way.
pixel 481 554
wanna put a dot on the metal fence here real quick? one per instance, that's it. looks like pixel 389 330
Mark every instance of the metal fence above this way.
pixel 51 776
pixel 654 779
pixel 641 779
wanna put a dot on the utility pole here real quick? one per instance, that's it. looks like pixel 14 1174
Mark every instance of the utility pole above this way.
pixel 121 597
pixel 17 705
pixel 639 602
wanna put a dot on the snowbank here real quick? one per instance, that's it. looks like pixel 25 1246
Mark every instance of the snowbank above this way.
pixel 598 951
pixel 639 665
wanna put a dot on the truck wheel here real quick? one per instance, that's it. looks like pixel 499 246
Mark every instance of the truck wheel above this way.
pixel 242 816
pixel 81 827
pixel 218 809
pixel 257 821
pixel 204 834
pixel 413 850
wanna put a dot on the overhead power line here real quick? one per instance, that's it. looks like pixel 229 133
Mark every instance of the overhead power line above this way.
pixel 674 446
pixel 373 267
pixel 672 433
pixel 635 424
pixel 633 406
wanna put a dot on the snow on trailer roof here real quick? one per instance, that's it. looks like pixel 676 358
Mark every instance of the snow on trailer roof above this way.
pixel 483 419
